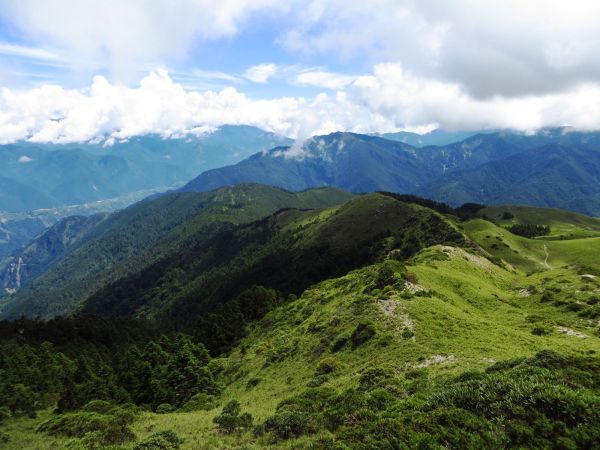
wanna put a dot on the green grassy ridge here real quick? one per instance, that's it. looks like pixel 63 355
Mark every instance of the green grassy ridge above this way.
pixel 471 312
pixel 311 245
pixel 532 255
pixel 565 224
pixel 473 318
pixel 134 238
pixel 469 315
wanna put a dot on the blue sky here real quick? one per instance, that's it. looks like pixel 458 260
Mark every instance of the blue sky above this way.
pixel 77 70
pixel 29 60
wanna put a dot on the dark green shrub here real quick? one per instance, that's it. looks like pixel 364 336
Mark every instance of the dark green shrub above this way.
pixel 102 429
pixel 574 307
pixel 165 408
pixel 98 406
pixel 361 334
pixel 253 382
pixel 311 400
pixel 317 381
pixel 540 331
pixel 231 419
pixel 326 366
pixel 200 402
pixel 162 440
pixel 375 377
pixel 339 344
pixel 593 300
pixel 407 333
pixel 291 424
pixel 4 413
pixel 19 399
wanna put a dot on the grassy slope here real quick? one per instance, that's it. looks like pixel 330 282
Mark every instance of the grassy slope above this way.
pixel 474 313
pixel 475 316
pixel 565 224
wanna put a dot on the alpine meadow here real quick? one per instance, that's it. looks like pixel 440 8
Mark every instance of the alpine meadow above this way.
pixel 319 224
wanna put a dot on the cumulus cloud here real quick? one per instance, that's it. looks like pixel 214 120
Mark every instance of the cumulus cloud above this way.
pixel 508 48
pixel 389 98
pixel 261 72
pixel 407 100
pixel 24 159
pixel 158 105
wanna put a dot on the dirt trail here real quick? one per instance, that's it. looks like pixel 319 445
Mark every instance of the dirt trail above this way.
pixel 547 255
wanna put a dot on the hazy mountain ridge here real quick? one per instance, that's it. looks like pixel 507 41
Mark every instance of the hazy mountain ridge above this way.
pixel 481 168
pixel 51 175
pixel 44 250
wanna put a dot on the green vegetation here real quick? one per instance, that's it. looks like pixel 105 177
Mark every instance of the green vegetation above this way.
pixel 149 231
pixel 210 290
pixel 373 324
pixel 529 231
pixel 563 224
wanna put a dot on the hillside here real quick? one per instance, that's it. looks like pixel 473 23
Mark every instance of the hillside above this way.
pixel 45 250
pixel 440 344
pixel 201 287
pixel 563 224
pixel 550 176
pixel 132 239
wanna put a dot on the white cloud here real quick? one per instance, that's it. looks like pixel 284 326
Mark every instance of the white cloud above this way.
pixel 322 78
pixel 213 75
pixel 509 48
pixel 388 99
pixel 125 35
pixel 261 72
pixel 27 52
pixel 410 101
pixel 24 159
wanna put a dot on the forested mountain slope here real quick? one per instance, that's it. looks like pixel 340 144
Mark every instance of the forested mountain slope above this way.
pixel 134 238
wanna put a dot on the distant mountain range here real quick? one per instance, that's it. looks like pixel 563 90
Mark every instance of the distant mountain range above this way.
pixel 64 264
pixel 43 183
pixel 552 168
pixel 435 137
pixel 36 176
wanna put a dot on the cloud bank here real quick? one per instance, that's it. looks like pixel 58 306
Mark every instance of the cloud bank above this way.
pixel 389 98
pixel 416 64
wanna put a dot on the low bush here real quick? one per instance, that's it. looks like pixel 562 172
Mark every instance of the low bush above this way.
pixel 326 366
pixel 252 382
pixel 200 402
pixel 361 334
pixel 162 440
pixel 98 428
pixel 547 401
pixel 291 424
pixel 165 408
pixel 232 420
